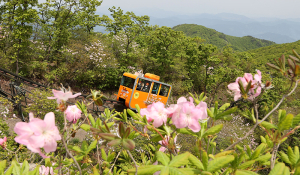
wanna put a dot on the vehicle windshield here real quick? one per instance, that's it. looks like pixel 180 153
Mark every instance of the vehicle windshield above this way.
pixel 128 82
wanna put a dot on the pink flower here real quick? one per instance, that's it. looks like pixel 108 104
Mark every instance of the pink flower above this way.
pixel 165 144
pixel 46 170
pixel 188 115
pixel 156 112
pixel 255 89
pixel 61 96
pixel 2 141
pixel 235 88
pixel 73 113
pixel 38 134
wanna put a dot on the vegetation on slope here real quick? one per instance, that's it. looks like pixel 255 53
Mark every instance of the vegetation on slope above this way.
pixel 220 39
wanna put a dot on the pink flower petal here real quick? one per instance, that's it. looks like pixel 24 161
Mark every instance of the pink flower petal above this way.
pixel 50 120
pixel 50 146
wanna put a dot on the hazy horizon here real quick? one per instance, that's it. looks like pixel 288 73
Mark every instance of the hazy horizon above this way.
pixel 166 8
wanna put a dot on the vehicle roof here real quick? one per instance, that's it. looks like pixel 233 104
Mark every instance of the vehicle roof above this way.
pixel 136 76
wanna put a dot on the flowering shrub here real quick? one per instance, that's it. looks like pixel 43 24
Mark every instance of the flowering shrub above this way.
pixel 111 149
pixel 5 106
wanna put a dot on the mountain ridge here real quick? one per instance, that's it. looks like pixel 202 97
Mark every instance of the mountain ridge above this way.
pixel 220 39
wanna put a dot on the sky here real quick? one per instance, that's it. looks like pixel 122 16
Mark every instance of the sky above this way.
pixel 251 8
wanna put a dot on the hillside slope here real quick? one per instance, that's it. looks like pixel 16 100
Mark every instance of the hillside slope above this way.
pixel 220 39
pixel 269 53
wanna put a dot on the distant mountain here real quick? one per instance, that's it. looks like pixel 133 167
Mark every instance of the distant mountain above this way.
pixel 273 29
pixel 220 39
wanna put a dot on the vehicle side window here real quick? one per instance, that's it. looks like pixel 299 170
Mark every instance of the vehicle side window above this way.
pixel 164 90
pixel 155 88
pixel 143 85
pixel 128 82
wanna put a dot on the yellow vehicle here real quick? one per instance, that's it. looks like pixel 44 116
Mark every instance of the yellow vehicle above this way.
pixel 142 90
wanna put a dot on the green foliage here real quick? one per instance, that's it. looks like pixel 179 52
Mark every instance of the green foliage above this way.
pixel 41 105
pixel 15 168
pixel 17 149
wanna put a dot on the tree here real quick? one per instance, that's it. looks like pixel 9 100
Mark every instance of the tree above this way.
pixel 18 17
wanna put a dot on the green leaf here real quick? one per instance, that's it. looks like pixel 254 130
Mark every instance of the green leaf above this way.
pixel 128 144
pixel 185 131
pixel 216 109
pixel 210 113
pixel 296 152
pixel 268 125
pixel 292 156
pixel 155 138
pixel 245 172
pixel 25 167
pixel 180 160
pixel 115 142
pixel 103 154
pixel 84 146
pixel 224 107
pixel 248 150
pixel 248 86
pixel 9 171
pixel 227 112
pixel 108 136
pixel 213 130
pixel 92 146
pixel 121 129
pixel 205 160
pixel 273 66
pixel 16 170
pixel 297 171
pixel 2 165
pixel 281 114
pixel 286 171
pixel 127 132
pixel 92 120
pixel 82 107
pixel 133 115
pixel 35 171
pixel 76 148
pixel 286 122
pixel 285 158
pixel 183 171
pixel 243 92
pixel 291 64
pixel 264 158
pixel 263 140
pixel 219 162
pixel 111 156
pixel 145 170
pixel 296 120
pixel 162 157
pixel 85 127
pixel 246 164
pixel 137 107
pixel 297 70
pixel 223 153
pixel 95 171
pixel 278 169
pixel 164 171
pixel 258 150
pixel 195 161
